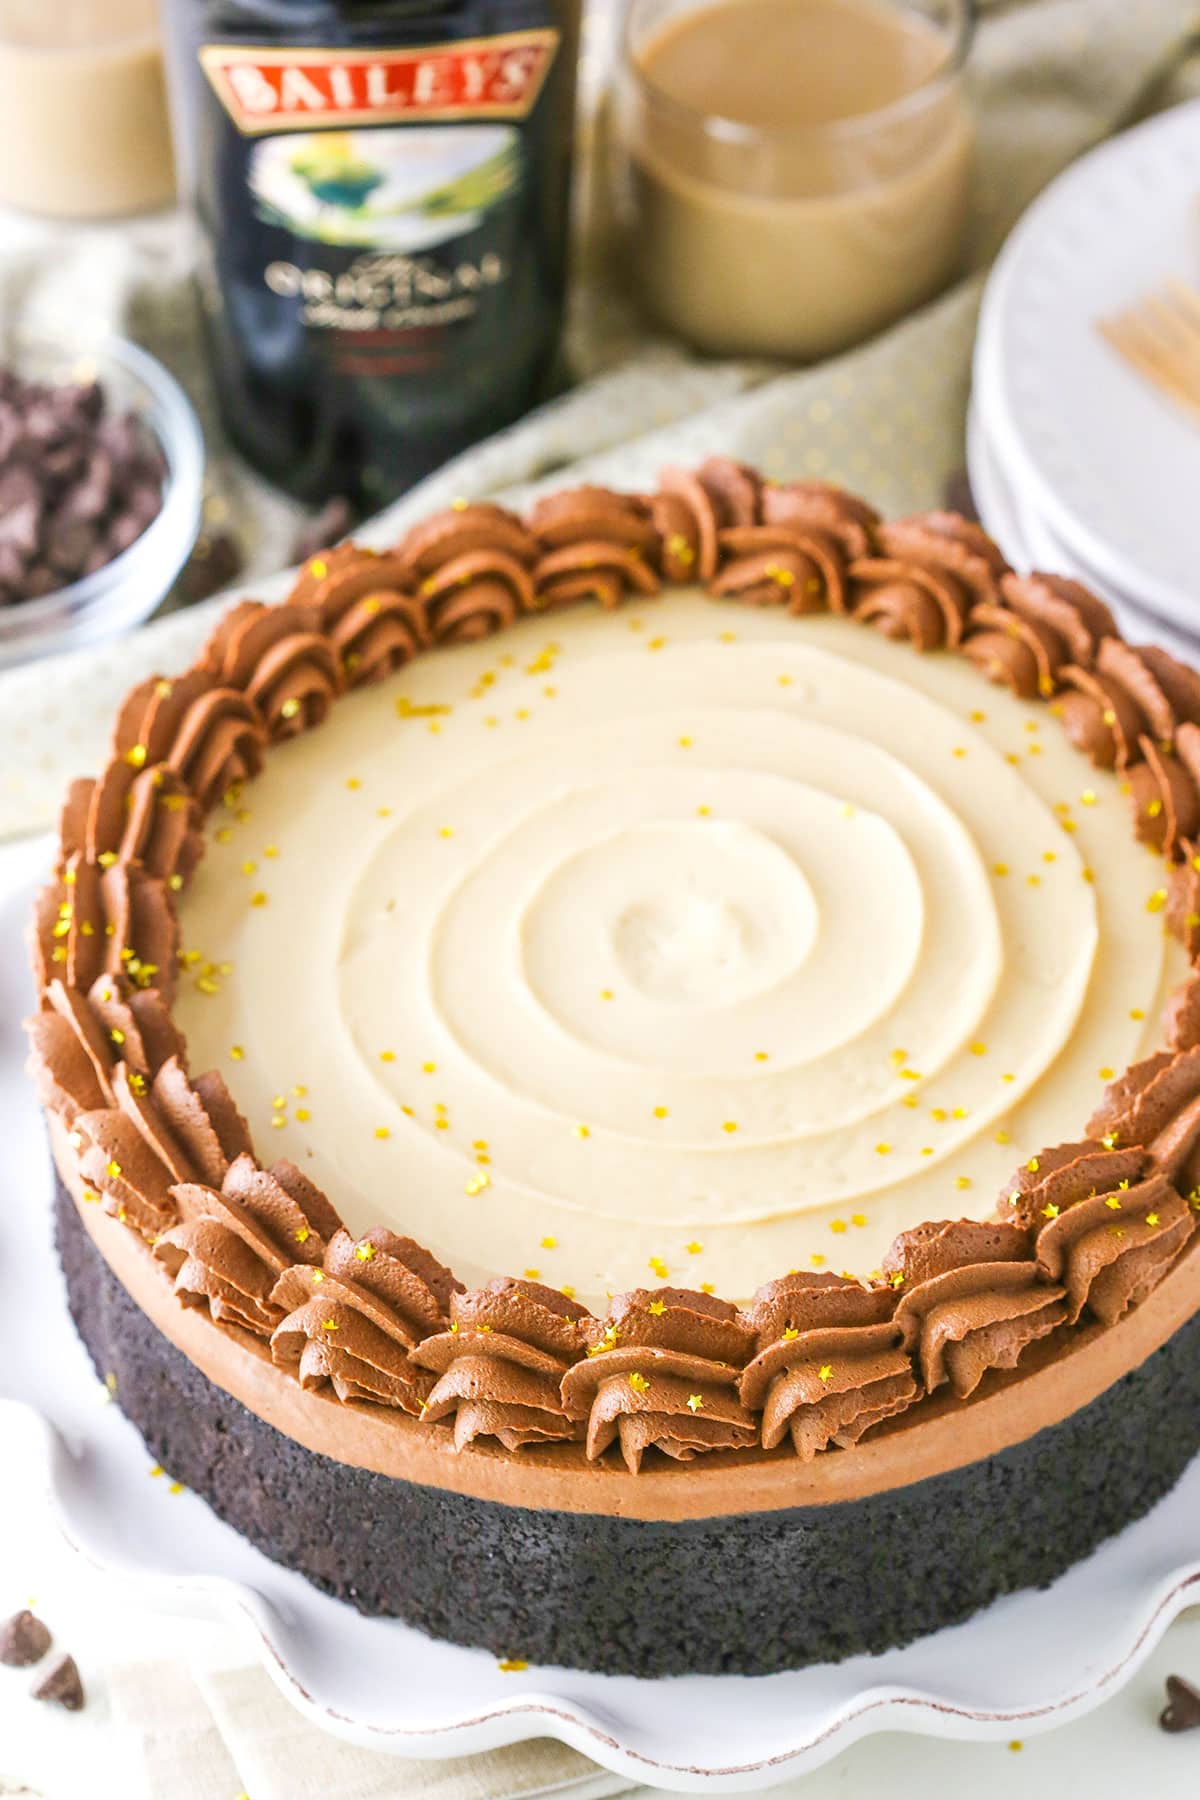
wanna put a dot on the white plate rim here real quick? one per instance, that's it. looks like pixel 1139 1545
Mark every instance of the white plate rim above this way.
pixel 1109 562
pixel 532 1715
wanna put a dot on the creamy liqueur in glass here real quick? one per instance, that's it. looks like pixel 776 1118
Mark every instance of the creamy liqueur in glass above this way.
pixel 83 124
pixel 795 173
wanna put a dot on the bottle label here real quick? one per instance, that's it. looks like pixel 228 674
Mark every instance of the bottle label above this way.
pixel 268 90
pixel 382 242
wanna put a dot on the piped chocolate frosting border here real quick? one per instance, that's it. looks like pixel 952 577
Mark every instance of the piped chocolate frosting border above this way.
pixel 1081 1234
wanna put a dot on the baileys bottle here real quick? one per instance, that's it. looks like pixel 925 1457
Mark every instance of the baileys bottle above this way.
pixel 381 189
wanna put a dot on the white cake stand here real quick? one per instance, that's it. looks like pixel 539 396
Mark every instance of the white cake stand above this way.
pixel 1028 1663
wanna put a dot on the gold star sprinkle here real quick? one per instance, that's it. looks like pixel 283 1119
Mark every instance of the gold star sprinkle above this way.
pixel 694 1248
pixel 962 1181
pixel 258 898
pixel 549 1243
pixel 660 1112
pixel 512 1665
pixel 381 1131
pixel 729 1125
pixel 478 1182
pixel 837 1226
pixel 695 1402
pixel 1088 797
pixel 657 1307
pixel 1049 1211
pixel 638 1382
pixel 825 1372
pixel 1152 1218
pixel 1157 901
pixel 1136 1013
pixel 532 1274
pixel 583 1131
pixel 429 1068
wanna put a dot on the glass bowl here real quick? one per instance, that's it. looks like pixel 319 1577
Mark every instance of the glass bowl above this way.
pixel 128 589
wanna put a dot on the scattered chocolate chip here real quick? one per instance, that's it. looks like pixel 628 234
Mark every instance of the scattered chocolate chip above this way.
pixel 78 485
pixel 1182 1711
pixel 336 519
pixel 24 1640
pixel 958 495
pixel 214 563
pixel 61 1685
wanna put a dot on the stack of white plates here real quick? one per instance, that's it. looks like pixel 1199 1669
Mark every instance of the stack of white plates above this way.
pixel 1077 465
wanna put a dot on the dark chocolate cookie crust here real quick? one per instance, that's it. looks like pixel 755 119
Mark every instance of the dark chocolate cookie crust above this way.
pixel 750 1594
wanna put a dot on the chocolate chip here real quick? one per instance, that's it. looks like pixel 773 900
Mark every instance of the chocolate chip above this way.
pixel 335 521
pixel 214 563
pixel 41 580
pixel 67 544
pixel 61 1685
pixel 24 1640
pixel 958 495
pixel 1182 1711
pixel 123 531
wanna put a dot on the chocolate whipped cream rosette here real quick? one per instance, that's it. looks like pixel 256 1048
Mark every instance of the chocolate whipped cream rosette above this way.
pixel 689 1079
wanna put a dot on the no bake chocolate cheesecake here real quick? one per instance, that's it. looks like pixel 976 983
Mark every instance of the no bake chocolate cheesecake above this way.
pixel 665 1135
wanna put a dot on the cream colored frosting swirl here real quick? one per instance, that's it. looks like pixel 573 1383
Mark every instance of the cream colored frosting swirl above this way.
pixel 699 942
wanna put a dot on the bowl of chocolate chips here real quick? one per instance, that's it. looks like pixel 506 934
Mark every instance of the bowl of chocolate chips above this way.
pixel 101 476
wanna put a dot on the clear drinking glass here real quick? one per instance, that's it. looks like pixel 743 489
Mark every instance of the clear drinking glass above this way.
pixel 83 125
pixel 790 184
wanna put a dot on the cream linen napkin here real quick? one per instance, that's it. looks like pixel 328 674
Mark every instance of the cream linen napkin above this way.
pixel 1051 77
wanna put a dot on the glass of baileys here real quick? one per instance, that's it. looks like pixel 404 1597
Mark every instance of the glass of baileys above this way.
pixel 792 175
